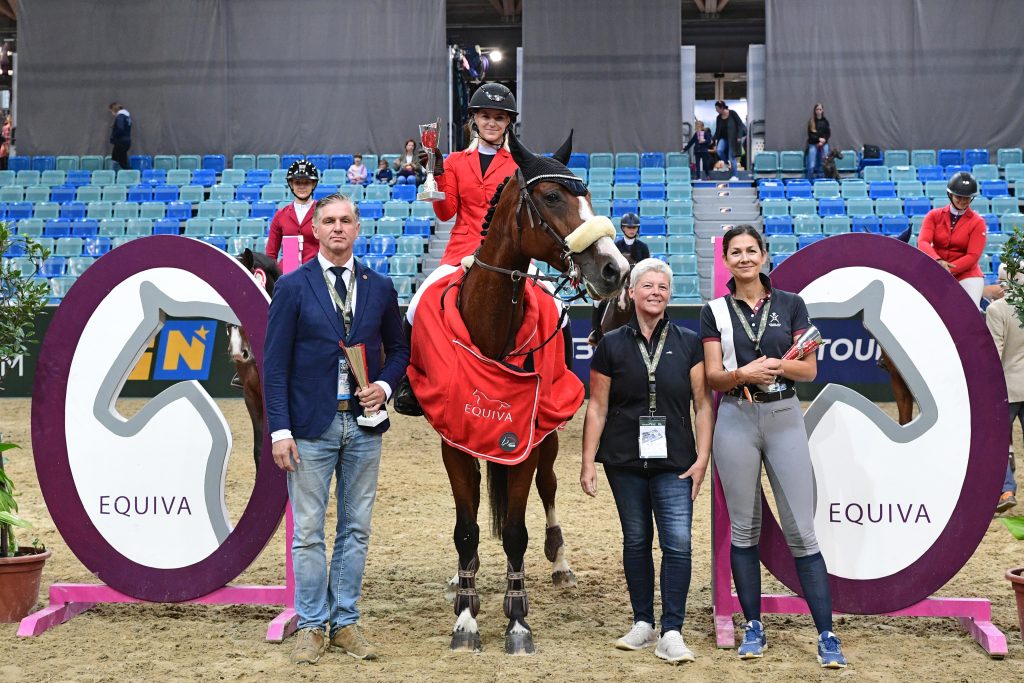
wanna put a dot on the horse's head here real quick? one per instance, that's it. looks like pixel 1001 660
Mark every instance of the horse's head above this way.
pixel 557 222
pixel 266 272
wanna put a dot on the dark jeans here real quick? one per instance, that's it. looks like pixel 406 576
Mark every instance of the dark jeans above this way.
pixel 703 163
pixel 639 495
pixel 120 155
pixel 1016 413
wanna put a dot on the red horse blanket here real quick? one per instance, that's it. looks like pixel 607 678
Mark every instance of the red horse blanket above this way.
pixel 490 409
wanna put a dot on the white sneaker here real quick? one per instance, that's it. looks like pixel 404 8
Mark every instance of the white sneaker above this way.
pixel 640 636
pixel 672 648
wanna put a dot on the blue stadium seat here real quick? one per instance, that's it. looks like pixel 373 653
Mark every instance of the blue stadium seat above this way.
pixel 57 227
pixel 894 225
pixel 257 176
pixel 831 207
pixel 778 225
pixel 955 168
pixel 154 176
pixel 140 193
pixel 247 193
pixel 62 195
pixel 896 157
pixel 985 172
pixel 338 161
pixel 19 210
pixel 627 160
pixel 624 206
pixel 879 190
pixel 53 266
pixel 799 189
pixel 681 244
pixel 807 240
pixel 371 209
pixel 289 159
pixel 782 244
pixel 406 193
pixel 653 225
pixel 652 160
pixel 771 190
pixel 579 160
pixel 865 224
pixel 929 173
pixel 994 188
pixel 324 190
pixel 973 157
pixel 916 206
pixel 766 164
pixel 949 157
pixel 140 162
pixel 44 163
pixel 67 163
pixel 826 189
pixel 179 210
pixel 922 157
pixel 627 175
pixel 72 210
pixel 20 163
pixel 835 225
pixel 165 162
pixel 166 226
pixel 653 207
pixel 678 225
pixel 262 209
pixel 95 246
pixel 204 176
pixel 165 193
pixel 652 191
pixel 78 178
pixel 268 162
pixel 214 162
pixel 85 227
pixel 419 227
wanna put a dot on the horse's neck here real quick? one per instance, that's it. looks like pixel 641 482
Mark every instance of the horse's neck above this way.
pixel 486 302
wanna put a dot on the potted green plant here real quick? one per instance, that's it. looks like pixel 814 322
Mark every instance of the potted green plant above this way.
pixel 22 297
pixel 1013 260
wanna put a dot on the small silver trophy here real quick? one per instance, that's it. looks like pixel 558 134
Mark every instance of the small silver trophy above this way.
pixel 356 355
pixel 808 342
pixel 428 138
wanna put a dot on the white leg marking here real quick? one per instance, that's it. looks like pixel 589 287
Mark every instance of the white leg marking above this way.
pixel 552 517
pixel 465 623
pixel 518 628
pixel 561 564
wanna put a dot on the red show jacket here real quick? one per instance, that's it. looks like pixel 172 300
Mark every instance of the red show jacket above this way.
pixel 960 248
pixel 286 224
pixel 467 196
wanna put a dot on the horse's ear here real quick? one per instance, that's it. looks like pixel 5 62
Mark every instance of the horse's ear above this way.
pixel 565 150
pixel 247 259
pixel 520 154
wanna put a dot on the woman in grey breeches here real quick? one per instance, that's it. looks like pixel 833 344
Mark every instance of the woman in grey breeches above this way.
pixel 745 334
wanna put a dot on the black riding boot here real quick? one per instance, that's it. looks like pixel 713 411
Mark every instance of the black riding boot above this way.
pixel 405 400
pixel 595 324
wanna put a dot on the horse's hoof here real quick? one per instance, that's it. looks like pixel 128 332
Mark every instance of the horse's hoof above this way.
pixel 519 643
pixel 463 641
pixel 564 579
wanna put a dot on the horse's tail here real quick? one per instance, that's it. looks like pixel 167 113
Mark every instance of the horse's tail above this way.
pixel 497 491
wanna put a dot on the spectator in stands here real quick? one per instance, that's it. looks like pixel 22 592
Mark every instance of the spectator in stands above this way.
pixel 469 179
pixel 729 134
pixel 701 143
pixel 653 481
pixel 1008 334
pixel 5 142
pixel 760 424
pixel 357 173
pixel 408 163
pixel 954 235
pixel 818 133
pixel 635 251
pixel 120 135
pixel 297 217
pixel 384 174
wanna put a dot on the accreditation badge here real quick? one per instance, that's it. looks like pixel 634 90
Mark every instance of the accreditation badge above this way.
pixel 344 390
pixel 653 443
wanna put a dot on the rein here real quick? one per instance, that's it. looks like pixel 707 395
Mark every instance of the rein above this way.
pixel 572 277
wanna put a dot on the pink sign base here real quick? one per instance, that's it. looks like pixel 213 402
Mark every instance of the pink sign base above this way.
pixel 974 614
pixel 68 600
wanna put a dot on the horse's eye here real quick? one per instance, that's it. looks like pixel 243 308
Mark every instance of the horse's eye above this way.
pixel 552 197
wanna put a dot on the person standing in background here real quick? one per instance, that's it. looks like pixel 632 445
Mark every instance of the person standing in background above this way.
pixel 729 133
pixel 818 134
pixel 297 218
pixel 120 135
pixel 701 143
pixel 5 142
pixel 1008 335
pixel 955 235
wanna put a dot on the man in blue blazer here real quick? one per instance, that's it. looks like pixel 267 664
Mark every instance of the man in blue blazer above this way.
pixel 312 405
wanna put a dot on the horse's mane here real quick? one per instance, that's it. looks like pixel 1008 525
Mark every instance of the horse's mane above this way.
pixel 492 205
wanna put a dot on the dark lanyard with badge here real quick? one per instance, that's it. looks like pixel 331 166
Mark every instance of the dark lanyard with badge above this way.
pixel 344 386
pixel 746 326
pixel 653 442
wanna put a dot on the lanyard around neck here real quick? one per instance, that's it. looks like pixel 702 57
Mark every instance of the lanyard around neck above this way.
pixel 746 326
pixel 652 365
pixel 344 306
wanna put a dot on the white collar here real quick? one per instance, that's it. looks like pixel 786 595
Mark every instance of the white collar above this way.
pixel 124 111
pixel 956 212
pixel 325 264
pixel 486 149
pixel 628 241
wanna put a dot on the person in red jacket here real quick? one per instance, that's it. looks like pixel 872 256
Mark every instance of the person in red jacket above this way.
pixel 469 180
pixel 954 235
pixel 297 217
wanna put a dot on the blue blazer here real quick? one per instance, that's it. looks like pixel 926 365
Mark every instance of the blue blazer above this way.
pixel 300 367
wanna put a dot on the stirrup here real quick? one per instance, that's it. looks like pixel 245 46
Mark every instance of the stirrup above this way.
pixel 236 381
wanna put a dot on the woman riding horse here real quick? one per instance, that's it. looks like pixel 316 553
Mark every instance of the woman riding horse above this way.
pixel 542 212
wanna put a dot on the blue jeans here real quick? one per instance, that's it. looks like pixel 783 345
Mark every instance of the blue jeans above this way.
pixel 1016 413
pixel 814 159
pixel 353 454
pixel 725 154
pixel 637 495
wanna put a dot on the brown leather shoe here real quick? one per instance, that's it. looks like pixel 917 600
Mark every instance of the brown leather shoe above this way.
pixel 350 640
pixel 310 645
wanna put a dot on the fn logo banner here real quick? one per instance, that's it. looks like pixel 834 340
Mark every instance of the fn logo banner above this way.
pixel 182 351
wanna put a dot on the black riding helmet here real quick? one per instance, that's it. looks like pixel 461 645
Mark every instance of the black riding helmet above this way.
pixel 962 184
pixel 629 220
pixel 306 169
pixel 494 96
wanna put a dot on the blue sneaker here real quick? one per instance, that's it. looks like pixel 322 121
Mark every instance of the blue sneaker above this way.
pixel 754 641
pixel 830 651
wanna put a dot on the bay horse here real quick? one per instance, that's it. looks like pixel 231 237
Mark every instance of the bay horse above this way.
pixel 901 392
pixel 619 309
pixel 528 219
pixel 266 272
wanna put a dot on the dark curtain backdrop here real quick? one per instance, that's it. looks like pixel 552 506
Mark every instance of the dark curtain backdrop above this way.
pixel 608 68
pixel 899 74
pixel 230 76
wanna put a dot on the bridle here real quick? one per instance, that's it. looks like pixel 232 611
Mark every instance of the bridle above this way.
pixel 572 277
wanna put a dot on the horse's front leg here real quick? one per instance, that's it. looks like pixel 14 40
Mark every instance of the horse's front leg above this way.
pixel 562 575
pixel 518 634
pixel 464 477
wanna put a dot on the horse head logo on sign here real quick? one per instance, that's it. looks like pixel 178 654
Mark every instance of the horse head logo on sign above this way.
pixel 900 509
pixel 140 499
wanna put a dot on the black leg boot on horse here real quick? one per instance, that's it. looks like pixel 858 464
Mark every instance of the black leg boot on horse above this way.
pixel 562 575
pixel 405 400
pixel 466 634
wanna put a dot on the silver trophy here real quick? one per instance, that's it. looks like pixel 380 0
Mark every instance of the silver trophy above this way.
pixel 356 355
pixel 428 138
pixel 808 342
